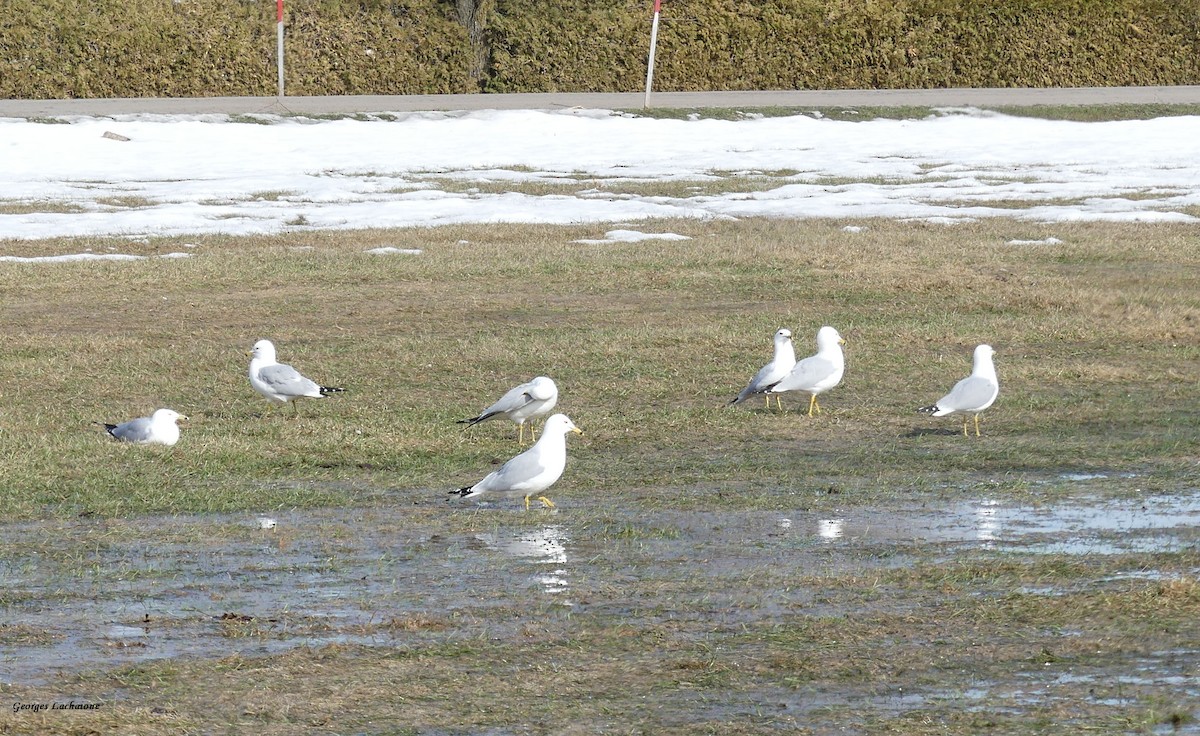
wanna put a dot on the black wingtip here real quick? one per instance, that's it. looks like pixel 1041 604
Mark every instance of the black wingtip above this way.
pixel 470 422
pixel 461 491
pixel 109 428
pixel 326 390
pixel 927 409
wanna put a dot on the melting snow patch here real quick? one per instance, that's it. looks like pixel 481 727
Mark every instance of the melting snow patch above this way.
pixel 632 236
pixel 1046 241
pixel 71 257
pixel 388 250
pixel 176 255
pixel 854 229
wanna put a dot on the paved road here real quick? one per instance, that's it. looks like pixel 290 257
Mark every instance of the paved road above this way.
pixel 614 101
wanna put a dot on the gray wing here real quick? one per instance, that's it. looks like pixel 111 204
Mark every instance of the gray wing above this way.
pixel 807 374
pixel 514 474
pixel 511 401
pixel 135 430
pixel 287 381
pixel 970 394
pixel 514 400
pixel 766 377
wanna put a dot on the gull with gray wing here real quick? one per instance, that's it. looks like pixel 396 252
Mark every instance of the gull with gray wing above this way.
pixel 972 394
pixel 531 472
pixel 159 428
pixel 773 372
pixel 280 383
pixel 529 400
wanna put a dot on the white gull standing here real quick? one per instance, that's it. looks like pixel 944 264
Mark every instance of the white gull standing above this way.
pixel 972 394
pixel 773 372
pixel 280 383
pixel 529 400
pixel 534 470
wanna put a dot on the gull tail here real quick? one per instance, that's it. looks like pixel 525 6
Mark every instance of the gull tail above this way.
pixel 108 427
pixel 928 409
pixel 462 492
pixel 326 390
pixel 474 420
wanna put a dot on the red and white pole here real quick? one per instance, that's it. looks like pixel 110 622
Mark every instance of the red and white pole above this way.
pixel 653 45
pixel 279 43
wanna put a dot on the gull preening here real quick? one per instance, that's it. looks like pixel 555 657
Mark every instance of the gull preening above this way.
pixel 972 394
pixel 159 428
pixel 818 373
pixel 771 373
pixel 534 470
pixel 529 400
pixel 280 383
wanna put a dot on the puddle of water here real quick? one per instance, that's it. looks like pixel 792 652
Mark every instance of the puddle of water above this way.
pixel 110 592
pixel 1160 523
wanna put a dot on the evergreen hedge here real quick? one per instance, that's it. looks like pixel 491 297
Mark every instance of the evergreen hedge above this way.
pixel 186 48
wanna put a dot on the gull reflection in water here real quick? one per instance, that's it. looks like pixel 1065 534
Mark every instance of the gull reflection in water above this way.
pixel 831 529
pixel 546 545
pixel 987 523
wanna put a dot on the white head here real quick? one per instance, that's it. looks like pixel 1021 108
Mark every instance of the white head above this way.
pixel 827 337
pixel 542 388
pixel 264 350
pixel 559 424
pixel 983 353
pixel 166 415
pixel 783 336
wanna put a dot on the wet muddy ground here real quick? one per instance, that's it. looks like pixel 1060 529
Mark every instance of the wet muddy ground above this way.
pixel 92 595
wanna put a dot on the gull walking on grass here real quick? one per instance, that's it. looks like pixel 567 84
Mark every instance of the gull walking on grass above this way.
pixel 534 470
pixel 527 401
pixel 972 394
pixel 773 372
pixel 159 428
pixel 280 383
pixel 818 373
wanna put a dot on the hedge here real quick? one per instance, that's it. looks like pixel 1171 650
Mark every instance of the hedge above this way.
pixel 134 48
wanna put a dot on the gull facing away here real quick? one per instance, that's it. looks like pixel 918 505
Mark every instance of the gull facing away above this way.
pixel 159 428
pixel 818 373
pixel 527 401
pixel 773 372
pixel 972 394
pixel 534 470
pixel 280 383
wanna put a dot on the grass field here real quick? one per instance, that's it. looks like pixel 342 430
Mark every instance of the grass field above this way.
pixel 696 599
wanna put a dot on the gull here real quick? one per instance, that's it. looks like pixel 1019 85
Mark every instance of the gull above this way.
pixel 771 373
pixel 818 373
pixel 533 399
pixel 534 470
pixel 159 428
pixel 972 394
pixel 279 382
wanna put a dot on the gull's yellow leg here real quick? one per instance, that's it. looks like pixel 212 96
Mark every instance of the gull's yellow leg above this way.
pixel 527 503
pixel 532 433
pixel 965 420
pixel 546 502
pixel 778 402
pixel 520 434
pixel 977 426
pixel 768 398
pixel 812 401
pixel 816 404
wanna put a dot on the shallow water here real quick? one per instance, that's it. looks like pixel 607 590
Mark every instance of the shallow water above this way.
pixel 94 594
